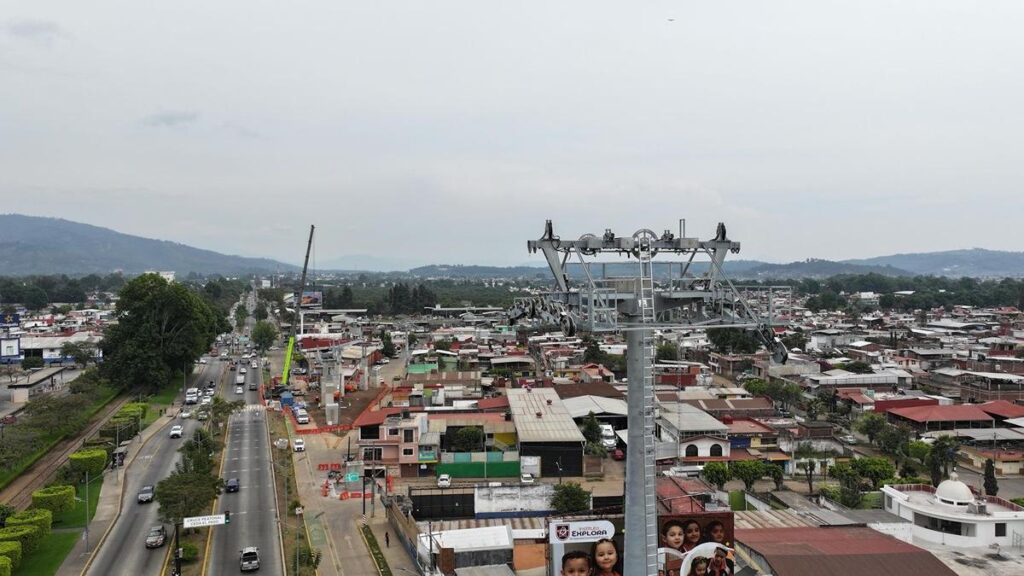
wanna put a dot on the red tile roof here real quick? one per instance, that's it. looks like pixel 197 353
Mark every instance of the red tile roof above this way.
pixel 839 550
pixel 493 403
pixel 1003 408
pixel 954 413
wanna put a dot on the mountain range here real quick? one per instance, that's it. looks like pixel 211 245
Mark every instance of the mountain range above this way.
pixel 35 245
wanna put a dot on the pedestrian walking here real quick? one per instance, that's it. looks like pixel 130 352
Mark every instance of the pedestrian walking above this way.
pixel 387 539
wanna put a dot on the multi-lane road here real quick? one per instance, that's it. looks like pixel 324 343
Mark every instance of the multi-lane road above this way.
pixel 124 549
pixel 253 514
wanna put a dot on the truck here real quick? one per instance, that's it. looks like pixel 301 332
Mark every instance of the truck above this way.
pixel 240 380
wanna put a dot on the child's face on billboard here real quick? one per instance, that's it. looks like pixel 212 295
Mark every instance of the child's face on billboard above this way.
pixel 674 536
pixel 576 567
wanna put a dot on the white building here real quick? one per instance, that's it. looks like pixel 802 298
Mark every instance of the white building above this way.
pixel 953 515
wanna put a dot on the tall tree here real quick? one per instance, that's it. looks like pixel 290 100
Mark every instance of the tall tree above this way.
pixel 805 451
pixel 749 471
pixel 263 335
pixel 570 497
pixel 387 346
pixel 991 484
pixel 870 425
pixel 667 351
pixel 875 469
pixel 591 428
pixel 717 473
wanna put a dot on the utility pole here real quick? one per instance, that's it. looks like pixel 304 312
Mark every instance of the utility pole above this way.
pixel 86 511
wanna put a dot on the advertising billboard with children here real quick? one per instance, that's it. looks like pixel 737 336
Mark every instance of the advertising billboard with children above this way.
pixel 586 547
pixel 700 544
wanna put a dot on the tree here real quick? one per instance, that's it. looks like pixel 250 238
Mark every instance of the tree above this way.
pixel 733 340
pixel 874 469
pixel 756 387
pixel 263 335
pixel 871 425
pixel 443 344
pixel 805 451
pixel 161 327
pixel 387 346
pixel 749 471
pixel 570 497
pixel 795 340
pixel 32 362
pixel 241 314
pixel 991 484
pixel 5 511
pixel 186 493
pixel 260 313
pixel 813 409
pixel 79 352
pixel 919 451
pixel 592 353
pixel 858 367
pixel 36 299
pixel 467 439
pixel 776 474
pixel 894 440
pixel 667 351
pixel 717 473
pixel 591 428
pixel 944 451
pixel 849 483
pixel 934 468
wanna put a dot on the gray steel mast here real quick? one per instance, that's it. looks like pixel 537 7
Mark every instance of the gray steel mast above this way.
pixel 635 305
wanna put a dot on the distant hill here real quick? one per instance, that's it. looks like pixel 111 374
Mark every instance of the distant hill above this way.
pixel 814 268
pixel 33 245
pixel 976 262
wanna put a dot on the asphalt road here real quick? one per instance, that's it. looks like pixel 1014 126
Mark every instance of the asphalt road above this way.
pixel 124 550
pixel 253 516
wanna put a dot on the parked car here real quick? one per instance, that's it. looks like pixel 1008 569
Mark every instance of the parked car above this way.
pixel 299 445
pixel 176 431
pixel 849 439
pixel 156 537
pixel 249 559
pixel 146 494
pixel 301 417
pixel 444 481
pixel 232 485
pixel 202 360
pixel 618 454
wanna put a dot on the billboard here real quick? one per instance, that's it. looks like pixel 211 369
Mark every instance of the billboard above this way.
pixel 685 538
pixel 584 541
pixel 10 320
pixel 312 299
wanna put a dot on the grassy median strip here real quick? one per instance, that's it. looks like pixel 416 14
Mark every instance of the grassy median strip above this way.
pixel 375 551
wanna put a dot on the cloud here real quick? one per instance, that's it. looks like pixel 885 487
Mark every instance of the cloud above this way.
pixel 41 31
pixel 240 131
pixel 171 118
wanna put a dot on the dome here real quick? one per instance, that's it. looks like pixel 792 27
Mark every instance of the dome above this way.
pixel 953 491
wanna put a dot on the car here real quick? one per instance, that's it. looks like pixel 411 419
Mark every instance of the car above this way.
pixel 299 445
pixel 444 481
pixel 849 439
pixel 239 390
pixel 202 360
pixel 232 485
pixel 157 537
pixel 145 494
pixel 232 367
pixel 185 413
pixel 242 370
pixel 249 559
pixel 255 365
pixel 526 478
pixel 618 454
pixel 211 385
pixel 202 415
pixel 176 431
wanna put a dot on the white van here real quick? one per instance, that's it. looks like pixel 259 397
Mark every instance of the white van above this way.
pixel 608 438
pixel 301 416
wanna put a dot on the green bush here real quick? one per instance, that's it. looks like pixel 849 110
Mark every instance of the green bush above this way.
pixel 41 518
pixel 56 499
pixel 6 566
pixel 27 534
pixel 92 460
pixel 189 551
pixel 12 551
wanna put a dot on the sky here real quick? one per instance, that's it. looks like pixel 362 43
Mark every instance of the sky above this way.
pixel 414 132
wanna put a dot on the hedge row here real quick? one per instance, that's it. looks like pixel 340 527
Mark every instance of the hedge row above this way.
pixel 91 460
pixel 58 498
pixel 27 534
pixel 5 566
pixel 12 551
pixel 41 518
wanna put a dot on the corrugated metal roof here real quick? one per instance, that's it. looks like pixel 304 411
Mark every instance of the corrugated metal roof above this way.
pixel 688 418
pixel 554 423
pixel 580 406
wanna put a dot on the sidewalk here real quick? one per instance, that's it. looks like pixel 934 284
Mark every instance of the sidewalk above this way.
pixel 108 508
pixel 398 559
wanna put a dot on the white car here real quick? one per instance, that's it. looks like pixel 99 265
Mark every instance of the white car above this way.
pixel 255 365
pixel 185 413
pixel 206 401
pixel 239 390
pixel 444 481
pixel 202 360
pixel 299 445
pixel 176 431
pixel 526 478
pixel 242 370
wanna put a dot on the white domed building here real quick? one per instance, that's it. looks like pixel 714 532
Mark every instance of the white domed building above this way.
pixel 955 515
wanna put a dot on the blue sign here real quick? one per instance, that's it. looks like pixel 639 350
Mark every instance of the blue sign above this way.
pixel 10 320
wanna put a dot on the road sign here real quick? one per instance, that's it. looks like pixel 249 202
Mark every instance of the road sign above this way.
pixel 201 521
pixel 352 477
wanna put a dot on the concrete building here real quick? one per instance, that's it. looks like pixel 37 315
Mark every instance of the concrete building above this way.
pixel 546 429
pixel 954 515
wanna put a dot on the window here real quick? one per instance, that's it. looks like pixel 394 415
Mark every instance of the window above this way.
pixel 1000 529
pixel 691 450
pixel 716 449
pixel 392 431
pixel 369 433
pixel 407 451
pixel 372 453
pixel 407 435
pixel 888 501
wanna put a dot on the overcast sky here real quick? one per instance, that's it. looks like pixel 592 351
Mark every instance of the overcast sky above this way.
pixel 447 132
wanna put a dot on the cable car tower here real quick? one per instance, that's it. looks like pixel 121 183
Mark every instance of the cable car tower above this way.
pixel 638 306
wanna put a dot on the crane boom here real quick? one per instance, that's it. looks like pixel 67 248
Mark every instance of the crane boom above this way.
pixel 298 310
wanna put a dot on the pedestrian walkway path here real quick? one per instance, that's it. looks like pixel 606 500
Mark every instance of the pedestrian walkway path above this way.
pixel 108 508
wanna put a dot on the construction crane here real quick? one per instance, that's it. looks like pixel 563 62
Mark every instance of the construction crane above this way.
pixel 298 310
pixel 636 306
